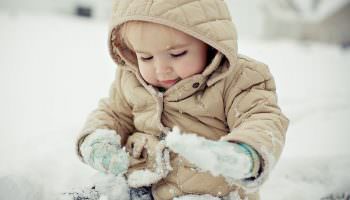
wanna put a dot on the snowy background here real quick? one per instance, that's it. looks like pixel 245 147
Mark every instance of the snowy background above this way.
pixel 54 68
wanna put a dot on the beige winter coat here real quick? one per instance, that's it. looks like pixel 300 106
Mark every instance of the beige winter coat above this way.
pixel 234 98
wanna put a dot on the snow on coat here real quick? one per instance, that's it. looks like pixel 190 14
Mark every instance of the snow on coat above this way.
pixel 233 99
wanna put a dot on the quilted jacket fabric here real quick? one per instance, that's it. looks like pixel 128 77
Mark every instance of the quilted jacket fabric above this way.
pixel 233 99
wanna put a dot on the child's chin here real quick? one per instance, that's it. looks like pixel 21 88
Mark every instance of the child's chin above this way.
pixel 167 85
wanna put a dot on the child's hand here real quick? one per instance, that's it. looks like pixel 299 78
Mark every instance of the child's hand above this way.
pixel 143 147
pixel 230 160
pixel 154 155
pixel 135 145
pixel 102 151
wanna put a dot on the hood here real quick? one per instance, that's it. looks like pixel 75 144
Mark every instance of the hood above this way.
pixel 206 20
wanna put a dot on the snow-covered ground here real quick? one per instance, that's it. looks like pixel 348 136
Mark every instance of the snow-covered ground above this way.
pixel 53 70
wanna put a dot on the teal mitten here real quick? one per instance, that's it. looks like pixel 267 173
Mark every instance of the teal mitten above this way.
pixel 102 150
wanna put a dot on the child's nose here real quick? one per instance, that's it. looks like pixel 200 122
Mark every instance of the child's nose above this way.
pixel 162 67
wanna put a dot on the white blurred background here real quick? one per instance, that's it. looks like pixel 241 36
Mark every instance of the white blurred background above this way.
pixel 322 20
pixel 54 67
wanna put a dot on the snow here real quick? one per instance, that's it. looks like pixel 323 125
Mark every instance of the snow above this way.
pixel 225 158
pixel 197 197
pixel 54 69
pixel 106 187
pixel 112 187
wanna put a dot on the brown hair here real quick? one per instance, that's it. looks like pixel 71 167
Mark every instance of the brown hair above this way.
pixel 120 40
pixel 124 29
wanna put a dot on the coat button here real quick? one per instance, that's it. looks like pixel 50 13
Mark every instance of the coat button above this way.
pixel 195 85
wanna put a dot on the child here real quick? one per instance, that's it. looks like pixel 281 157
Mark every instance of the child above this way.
pixel 178 66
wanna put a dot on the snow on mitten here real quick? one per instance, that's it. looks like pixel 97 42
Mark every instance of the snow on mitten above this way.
pixel 152 154
pixel 230 160
pixel 102 150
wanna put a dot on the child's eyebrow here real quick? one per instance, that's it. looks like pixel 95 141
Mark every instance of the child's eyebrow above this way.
pixel 176 46
pixel 166 49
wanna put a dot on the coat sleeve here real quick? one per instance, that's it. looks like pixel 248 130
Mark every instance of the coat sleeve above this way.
pixel 254 117
pixel 113 113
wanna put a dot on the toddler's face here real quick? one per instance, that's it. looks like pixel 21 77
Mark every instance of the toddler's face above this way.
pixel 166 55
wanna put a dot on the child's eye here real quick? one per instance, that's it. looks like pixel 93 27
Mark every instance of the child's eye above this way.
pixel 179 54
pixel 146 58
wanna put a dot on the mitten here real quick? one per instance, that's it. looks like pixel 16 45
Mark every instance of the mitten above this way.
pixel 231 160
pixel 102 150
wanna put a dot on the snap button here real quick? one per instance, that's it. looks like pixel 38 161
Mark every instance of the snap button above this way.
pixel 195 85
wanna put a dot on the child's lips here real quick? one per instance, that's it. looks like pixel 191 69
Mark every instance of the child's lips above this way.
pixel 169 82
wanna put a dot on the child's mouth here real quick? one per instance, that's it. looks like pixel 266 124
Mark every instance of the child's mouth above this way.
pixel 169 82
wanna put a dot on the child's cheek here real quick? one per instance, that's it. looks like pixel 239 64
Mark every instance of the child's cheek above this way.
pixel 188 68
pixel 148 74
